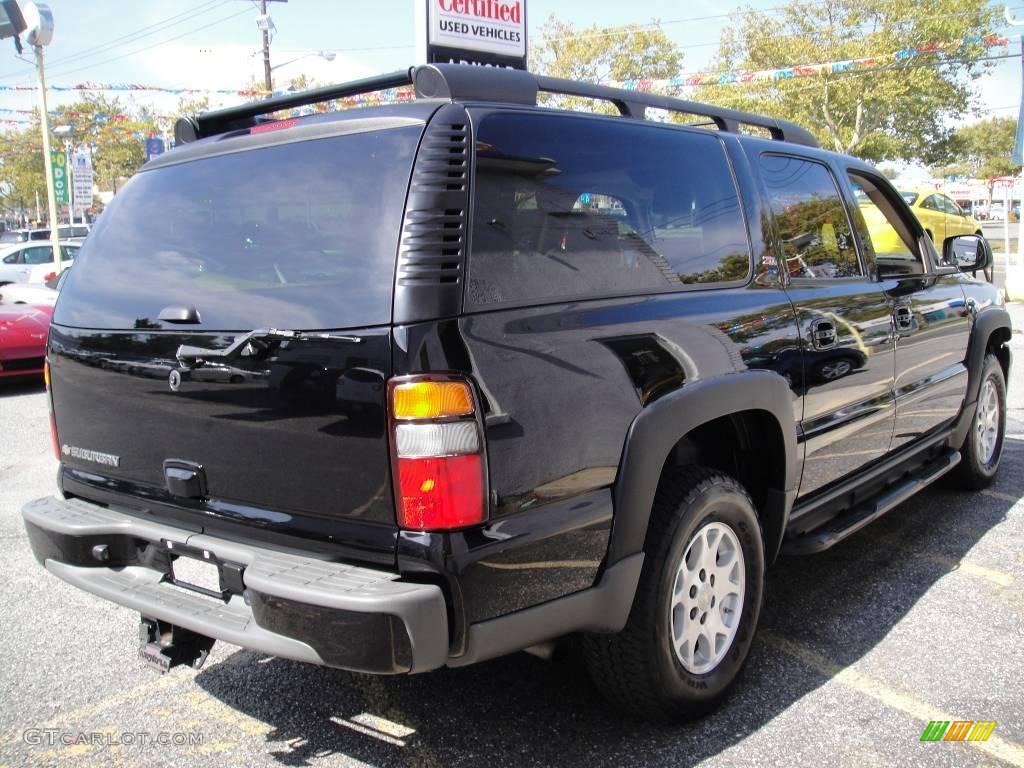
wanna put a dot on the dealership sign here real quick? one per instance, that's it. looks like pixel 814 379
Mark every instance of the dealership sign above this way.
pixel 489 32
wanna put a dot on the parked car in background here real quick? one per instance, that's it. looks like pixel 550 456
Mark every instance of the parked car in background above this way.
pixel 72 233
pixel 938 214
pixel 23 339
pixel 36 294
pixel 32 263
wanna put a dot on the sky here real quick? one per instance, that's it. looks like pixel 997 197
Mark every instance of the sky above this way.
pixel 214 44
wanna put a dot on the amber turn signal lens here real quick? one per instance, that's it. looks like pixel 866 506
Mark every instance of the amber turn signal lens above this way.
pixel 46 373
pixel 431 399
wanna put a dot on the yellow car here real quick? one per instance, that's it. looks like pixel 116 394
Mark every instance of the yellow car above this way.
pixel 938 214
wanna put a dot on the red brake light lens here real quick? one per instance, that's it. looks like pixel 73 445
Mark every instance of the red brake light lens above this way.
pixel 54 442
pixel 440 494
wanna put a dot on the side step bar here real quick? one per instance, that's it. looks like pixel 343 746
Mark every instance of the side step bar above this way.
pixel 851 521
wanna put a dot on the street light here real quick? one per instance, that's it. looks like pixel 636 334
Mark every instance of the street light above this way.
pixel 325 55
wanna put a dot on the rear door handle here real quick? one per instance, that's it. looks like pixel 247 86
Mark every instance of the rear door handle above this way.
pixel 823 334
pixel 903 317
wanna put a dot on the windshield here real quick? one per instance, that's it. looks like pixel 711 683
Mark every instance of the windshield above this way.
pixel 910 197
pixel 300 236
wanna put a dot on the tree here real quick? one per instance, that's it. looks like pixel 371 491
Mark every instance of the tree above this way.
pixel 897 109
pixel 983 151
pixel 22 173
pixel 113 132
pixel 598 54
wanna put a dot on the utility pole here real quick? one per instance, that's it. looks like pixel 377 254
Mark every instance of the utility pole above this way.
pixel 268 83
pixel 51 198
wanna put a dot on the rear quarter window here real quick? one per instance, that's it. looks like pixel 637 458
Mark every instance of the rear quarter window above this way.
pixel 571 208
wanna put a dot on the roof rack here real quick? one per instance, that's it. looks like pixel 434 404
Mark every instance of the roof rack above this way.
pixel 459 82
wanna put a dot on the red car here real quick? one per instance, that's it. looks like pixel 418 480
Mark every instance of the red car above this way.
pixel 23 339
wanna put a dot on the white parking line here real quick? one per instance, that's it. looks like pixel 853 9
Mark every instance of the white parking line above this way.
pixel 996 746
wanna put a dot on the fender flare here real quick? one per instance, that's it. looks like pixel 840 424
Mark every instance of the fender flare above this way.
pixel 987 322
pixel 662 424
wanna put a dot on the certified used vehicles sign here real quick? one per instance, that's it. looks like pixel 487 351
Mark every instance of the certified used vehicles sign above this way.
pixel 477 31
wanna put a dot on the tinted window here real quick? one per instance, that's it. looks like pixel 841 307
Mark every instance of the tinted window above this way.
pixel 569 207
pixel 39 234
pixel 910 197
pixel 295 236
pixel 810 218
pixel 931 203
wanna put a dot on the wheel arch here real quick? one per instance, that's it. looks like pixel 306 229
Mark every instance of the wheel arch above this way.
pixel 991 333
pixel 737 414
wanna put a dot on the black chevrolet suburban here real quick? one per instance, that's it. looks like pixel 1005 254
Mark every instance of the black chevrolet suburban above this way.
pixel 419 384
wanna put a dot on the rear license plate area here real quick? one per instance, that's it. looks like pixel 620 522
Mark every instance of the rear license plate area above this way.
pixel 200 575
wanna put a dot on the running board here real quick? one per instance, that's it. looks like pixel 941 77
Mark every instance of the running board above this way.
pixel 851 521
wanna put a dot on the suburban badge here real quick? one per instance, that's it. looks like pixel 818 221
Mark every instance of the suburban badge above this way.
pixel 107 459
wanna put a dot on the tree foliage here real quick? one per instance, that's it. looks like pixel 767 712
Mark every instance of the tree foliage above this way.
pixel 982 150
pixel 597 54
pixel 894 111
pixel 22 174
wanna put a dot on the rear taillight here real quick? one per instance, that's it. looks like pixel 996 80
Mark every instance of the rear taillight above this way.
pixel 49 276
pixel 437 453
pixel 49 403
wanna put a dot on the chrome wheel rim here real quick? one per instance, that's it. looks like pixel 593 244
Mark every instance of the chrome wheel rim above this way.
pixel 707 598
pixel 835 370
pixel 986 422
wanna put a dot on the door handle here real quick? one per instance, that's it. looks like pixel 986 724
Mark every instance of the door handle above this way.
pixel 903 317
pixel 823 334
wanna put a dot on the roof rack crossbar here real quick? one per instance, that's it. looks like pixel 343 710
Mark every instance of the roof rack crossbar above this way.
pixel 459 82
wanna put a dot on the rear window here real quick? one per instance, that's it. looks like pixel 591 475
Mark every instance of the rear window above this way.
pixel 294 236
pixel 569 208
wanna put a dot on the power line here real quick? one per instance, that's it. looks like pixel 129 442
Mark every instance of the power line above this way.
pixel 131 37
pixel 61 73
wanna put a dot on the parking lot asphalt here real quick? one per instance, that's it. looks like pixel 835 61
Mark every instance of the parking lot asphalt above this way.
pixel 918 617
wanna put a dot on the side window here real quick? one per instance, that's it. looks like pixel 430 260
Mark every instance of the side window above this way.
pixel 932 203
pixel 887 238
pixel 948 206
pixel 12 258
pixel 39 255
pixel 571 208
pixel 810 218
pixel 68 253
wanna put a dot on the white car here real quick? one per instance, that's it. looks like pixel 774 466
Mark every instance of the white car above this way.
pixel 35 294
pixel 32 262
pixel 72 233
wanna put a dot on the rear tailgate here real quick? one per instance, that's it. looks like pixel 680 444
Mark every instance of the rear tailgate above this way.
pixel 289 433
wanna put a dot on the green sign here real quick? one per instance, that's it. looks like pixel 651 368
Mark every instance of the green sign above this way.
pixel 60 176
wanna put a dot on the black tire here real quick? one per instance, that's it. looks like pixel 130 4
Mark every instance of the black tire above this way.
pixel 639 669
pixel 976 470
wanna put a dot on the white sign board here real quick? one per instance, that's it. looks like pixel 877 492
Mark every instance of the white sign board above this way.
pixel 81 171
pixel 474 32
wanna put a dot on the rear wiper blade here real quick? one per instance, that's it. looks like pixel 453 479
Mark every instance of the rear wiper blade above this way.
pixel 253 344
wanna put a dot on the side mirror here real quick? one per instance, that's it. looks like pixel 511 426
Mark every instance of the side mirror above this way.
pixel 968 252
